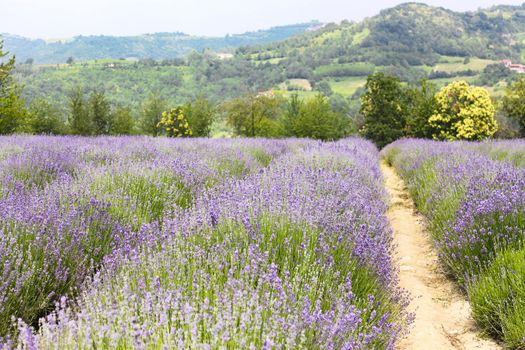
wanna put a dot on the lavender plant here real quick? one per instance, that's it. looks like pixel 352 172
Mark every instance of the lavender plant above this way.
pixel 294 254
pixel 474 197
pixel 68 203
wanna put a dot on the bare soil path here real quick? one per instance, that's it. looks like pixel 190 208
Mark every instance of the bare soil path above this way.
pixel 443 318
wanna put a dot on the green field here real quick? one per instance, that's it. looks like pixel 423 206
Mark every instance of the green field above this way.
pixel 347 86
pixel 455 64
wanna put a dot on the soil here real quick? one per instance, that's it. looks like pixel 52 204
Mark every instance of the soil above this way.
pixel 442 313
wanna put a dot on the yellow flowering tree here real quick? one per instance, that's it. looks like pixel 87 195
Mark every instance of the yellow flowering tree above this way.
pixel 174 123
pixel 463 112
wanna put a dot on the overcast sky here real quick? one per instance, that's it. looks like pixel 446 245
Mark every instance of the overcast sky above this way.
pixel 66 18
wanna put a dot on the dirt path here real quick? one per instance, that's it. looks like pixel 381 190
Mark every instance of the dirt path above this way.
pixel 442 313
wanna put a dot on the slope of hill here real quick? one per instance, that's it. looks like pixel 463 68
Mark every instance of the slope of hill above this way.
pixel 412 41
pixel 413 34
pixel 155 46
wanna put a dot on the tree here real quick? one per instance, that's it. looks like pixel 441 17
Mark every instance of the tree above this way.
pixel 13 113
pixel 122 122
pixel 200 114
pixel 152 114
pixel 174 124
pixel 45 118
pixel 463 112
pixel 383 109
pixel 421 105
pixel 317 120
pixel 100 113
pixel 70 60
pixel 514 103
pixel 293 110
pixel 255 116
pixel 324 88
pixel 79 117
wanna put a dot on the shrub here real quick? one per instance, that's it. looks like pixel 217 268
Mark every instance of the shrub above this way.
pixel 498 298
pixel 174 124
pixel 463 113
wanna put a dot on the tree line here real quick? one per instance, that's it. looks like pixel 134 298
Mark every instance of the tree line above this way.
pixel 389 110
pixel 458 111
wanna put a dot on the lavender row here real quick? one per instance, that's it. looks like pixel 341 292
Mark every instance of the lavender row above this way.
pixel 295 255
pixel 68 203
pixel 474 198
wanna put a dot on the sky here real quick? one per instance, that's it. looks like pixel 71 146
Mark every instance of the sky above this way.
pixel 67 18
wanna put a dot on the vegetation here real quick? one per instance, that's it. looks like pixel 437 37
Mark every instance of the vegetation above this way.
pixel 514 103
pixel 157 46
pixel 498 298
pixel 463 113
pixel 392 110
pixel 46 118
pixel 254 115
pixel 383 109
pixel 174 124
pixel 200 114
pixel 151 115
pixel 473 197
pixel 123 245
pixel 13 115
pixel 424 47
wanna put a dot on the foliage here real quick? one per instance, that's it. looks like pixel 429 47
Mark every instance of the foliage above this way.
pixel 45 118
pixel 494 73
pixel 173 123
pixel 317 120
pixel 323 87
pixel 122 122
pixel 514 103
pixel 157 46
pixel 463 113
pixel 254 115
pixel 421 105
pixel 294 106
pixel 13 114
pixel 100 113
pixel 383 109
pixel 410 41
pixel 498 298
pixel 151 114
pixel 473 195
pixel 80 122
pixel 200 114
pixel 141 242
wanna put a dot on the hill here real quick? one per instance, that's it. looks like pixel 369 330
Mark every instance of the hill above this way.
pixel 155 46
pixel 412 41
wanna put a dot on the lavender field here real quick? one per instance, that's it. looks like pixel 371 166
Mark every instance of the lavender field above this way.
pixel 473 195
pixel 159 243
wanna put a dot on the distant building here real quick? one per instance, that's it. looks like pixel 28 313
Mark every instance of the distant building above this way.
pixel 515 67
pixel 224 55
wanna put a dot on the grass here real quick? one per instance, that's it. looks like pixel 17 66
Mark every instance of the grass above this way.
pixel 498 298
pixel 347 86
pixel 444 81
pixel 457 65
pixel 302 94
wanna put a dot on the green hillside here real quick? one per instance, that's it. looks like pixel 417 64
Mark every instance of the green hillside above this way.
pixel 412 41
pixel 155 46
